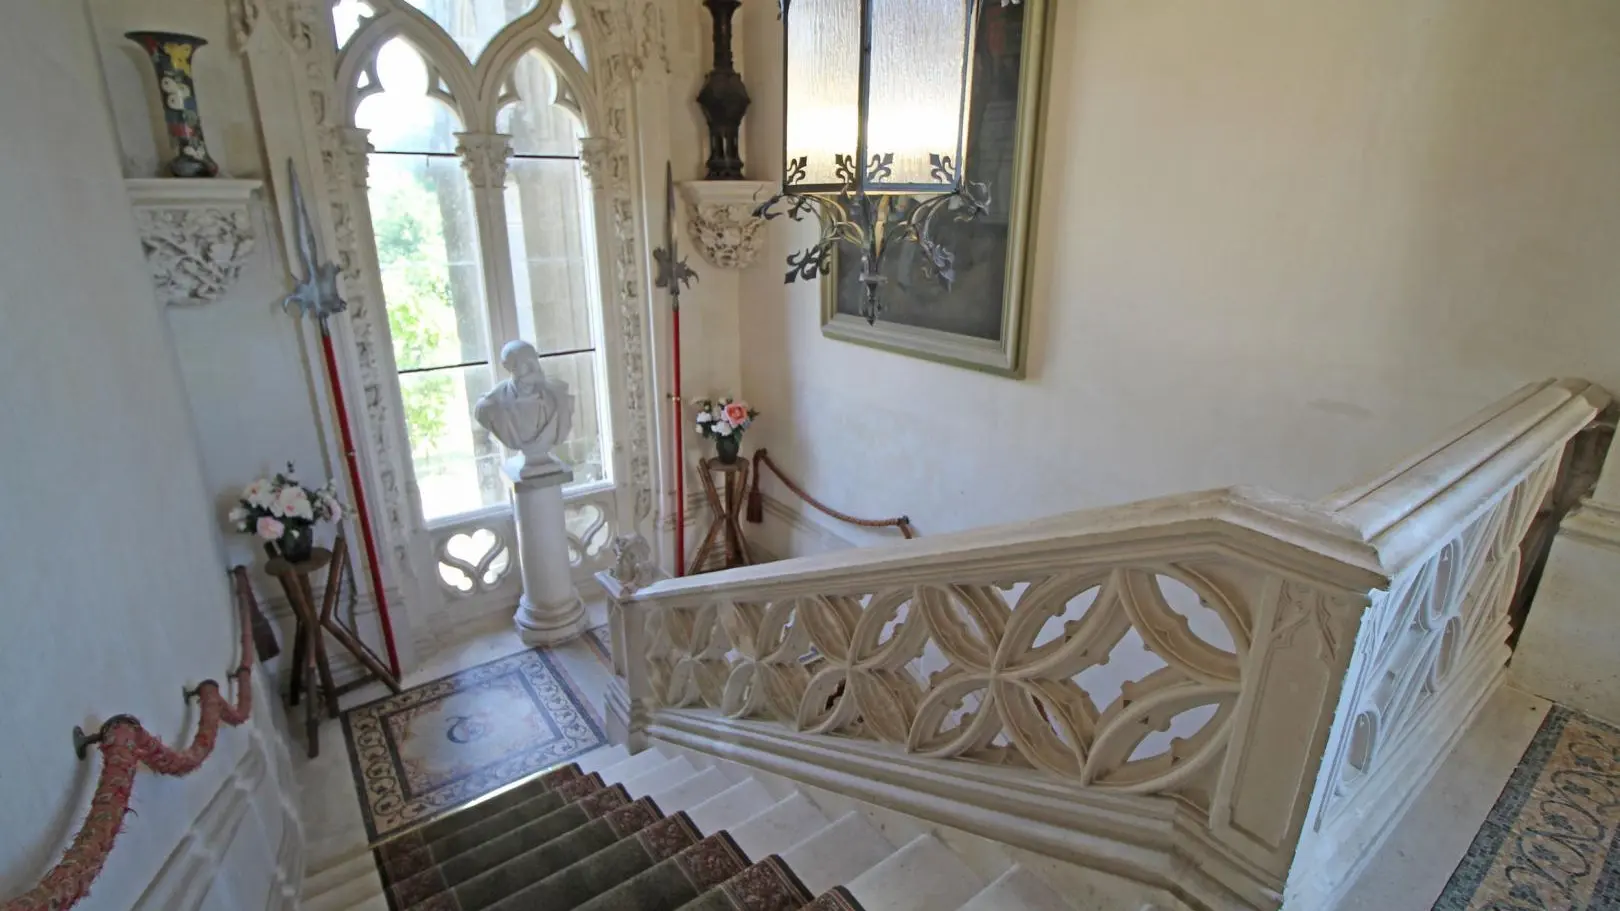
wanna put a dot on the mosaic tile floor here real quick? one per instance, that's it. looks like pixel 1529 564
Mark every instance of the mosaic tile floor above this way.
pixel 1552 841
pixel 438 746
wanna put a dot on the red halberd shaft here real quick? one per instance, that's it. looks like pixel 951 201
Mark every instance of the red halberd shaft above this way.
pixel 680 454
pixel 360 510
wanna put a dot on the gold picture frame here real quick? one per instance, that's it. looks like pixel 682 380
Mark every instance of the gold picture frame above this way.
pixel 1003 355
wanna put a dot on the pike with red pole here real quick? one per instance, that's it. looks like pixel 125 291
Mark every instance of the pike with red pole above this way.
pixel 317 295
pixel 673 274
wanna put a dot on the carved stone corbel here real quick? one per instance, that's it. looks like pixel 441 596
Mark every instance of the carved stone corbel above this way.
pixel 721 219
pixel 196 235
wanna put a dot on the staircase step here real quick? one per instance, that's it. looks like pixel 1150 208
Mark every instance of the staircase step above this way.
pixel 601 758
pixel 1016 890
pixel 840 852
pixel 921 876
pixel 337 874
pixel 346 895
pixel 729 807
pixel 689 792
pixel 672 771
pixel 779 826
pixel 626 769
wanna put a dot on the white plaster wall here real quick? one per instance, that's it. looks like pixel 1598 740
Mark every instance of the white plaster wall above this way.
pixel 1278 242
pixel 113 595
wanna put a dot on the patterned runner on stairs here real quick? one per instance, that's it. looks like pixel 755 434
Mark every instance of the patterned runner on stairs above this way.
pixel 568 840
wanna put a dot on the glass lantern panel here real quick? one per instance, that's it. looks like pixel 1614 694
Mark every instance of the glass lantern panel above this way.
pixel 823 85
pixel 919 51
pixel 472 23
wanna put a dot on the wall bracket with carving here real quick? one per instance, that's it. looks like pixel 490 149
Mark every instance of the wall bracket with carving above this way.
pixel 196 234
pixel 720 216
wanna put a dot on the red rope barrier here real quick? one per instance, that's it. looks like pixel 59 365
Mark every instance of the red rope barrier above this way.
pixel 756 503
pixel 125 746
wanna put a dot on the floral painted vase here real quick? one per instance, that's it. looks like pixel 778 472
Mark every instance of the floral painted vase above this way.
pixel 171 58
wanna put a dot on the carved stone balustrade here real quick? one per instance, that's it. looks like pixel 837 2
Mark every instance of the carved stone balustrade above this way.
pixel 1162 690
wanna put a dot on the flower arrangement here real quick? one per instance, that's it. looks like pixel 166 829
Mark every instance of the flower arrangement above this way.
pixel 282 512
pixel 724 420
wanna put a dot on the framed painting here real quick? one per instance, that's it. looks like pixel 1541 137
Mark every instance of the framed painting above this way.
pixel 979 321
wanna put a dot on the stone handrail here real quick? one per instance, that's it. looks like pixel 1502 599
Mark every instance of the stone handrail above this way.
pixel 1160 677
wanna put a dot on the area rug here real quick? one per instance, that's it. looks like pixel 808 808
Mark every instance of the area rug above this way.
pixel 436 747
pixel 600 641
pixel 1553 838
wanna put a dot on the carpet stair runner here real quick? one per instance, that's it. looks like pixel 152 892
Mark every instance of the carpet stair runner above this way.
pixel 657 833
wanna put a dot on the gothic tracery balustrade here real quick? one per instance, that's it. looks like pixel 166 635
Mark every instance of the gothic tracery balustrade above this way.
pixel 1122 677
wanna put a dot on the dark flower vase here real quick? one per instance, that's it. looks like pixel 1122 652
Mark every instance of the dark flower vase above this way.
pixel 727 448
pixel 296 544
pixel 171 58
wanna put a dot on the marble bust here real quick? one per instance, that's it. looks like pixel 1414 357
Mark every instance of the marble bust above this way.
pixel 529 413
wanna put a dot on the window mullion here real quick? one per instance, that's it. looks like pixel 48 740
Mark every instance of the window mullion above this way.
pixel 485 156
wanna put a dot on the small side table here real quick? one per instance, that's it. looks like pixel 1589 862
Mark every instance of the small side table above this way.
pixel 309 648
pixel 728 512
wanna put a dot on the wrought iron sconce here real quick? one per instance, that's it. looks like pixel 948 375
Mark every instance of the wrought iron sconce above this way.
pixel 876 108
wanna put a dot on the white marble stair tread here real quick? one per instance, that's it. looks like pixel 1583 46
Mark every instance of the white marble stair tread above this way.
pixel 356 866
pixel 602 758
pixel 778 827
pixel 838 854
pixel 626 769
pixel 1016 890
pixel 689 791
pixel 345 896
pixel 671 771
pixel 729 807
pixel 923 875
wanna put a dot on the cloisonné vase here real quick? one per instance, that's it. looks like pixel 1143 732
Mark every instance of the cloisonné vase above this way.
pixel 726 448
pixel 171 58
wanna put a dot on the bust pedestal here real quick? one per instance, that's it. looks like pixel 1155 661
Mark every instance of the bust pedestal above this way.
pixel 551 611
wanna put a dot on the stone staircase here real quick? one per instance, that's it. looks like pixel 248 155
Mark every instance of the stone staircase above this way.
pixel 837 854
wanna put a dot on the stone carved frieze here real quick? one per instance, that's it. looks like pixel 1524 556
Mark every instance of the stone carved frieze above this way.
pixel 196 235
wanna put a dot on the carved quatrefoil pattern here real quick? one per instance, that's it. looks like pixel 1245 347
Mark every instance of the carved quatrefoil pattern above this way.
pixel 1443 614
pixel 990 672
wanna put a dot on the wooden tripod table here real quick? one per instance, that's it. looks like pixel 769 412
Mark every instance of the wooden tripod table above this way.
pixel 311 671
pixel 728 513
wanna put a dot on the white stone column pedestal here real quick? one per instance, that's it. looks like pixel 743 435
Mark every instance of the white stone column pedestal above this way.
pixel 551 611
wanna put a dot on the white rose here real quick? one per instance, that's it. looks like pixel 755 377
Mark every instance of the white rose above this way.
pixel 723 429
pixel 704 417
pixel 238 515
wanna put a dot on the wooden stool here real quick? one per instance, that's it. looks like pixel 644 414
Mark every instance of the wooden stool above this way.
pixel 728 513
pixel 309 648
pixel 312 672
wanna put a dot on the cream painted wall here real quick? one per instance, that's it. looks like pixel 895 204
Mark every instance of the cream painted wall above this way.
pixel 1279 242
pixel 112 595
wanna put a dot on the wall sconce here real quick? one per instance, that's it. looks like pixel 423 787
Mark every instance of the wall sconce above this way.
pixel 875 123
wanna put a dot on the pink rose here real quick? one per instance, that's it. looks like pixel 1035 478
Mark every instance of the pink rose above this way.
pixel 737 413
pixel 270 529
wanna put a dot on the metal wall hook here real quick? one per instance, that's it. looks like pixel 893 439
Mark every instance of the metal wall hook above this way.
pixel 190 694
pixel 82 742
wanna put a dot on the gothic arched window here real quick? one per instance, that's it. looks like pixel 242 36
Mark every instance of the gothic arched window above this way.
pixel 482 224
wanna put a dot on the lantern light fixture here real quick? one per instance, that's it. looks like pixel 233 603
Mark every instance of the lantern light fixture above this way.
pixel 876 128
